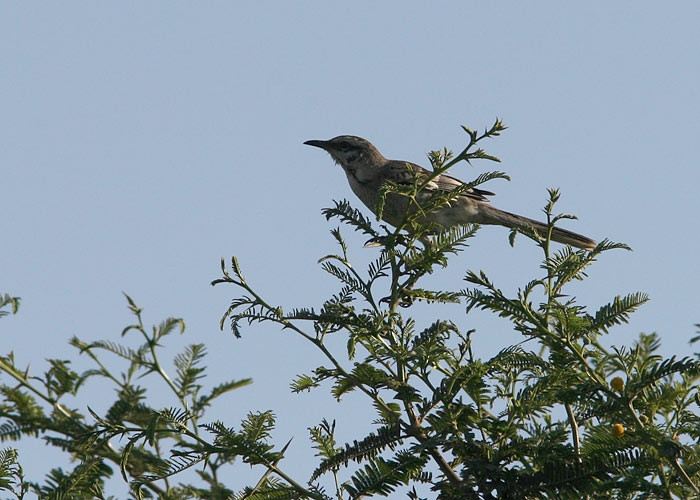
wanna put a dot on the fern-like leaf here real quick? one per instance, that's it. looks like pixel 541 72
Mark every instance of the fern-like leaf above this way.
pixel 381 476
pixel 188 373
pixel 349 215
pixel 617 312
pixel 363 450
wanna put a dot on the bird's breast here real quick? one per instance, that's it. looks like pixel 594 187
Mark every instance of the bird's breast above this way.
pixel 364 190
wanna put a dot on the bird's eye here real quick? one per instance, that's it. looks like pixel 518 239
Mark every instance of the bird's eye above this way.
pixel 344 146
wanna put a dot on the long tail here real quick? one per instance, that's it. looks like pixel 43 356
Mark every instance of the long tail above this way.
pixel 493 215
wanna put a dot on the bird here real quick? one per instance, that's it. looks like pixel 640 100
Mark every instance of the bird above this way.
pixel 367 170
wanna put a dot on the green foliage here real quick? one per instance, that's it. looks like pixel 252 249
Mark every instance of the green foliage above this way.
pixel 557 415
pixel 11 473
pixel 7 300
pixel 524 424
pixel 151 446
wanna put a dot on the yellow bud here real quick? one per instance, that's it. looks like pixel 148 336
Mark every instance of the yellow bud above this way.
pixel 617 384
pixel 618 430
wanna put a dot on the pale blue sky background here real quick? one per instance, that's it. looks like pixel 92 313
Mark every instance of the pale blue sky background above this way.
pixel 141 142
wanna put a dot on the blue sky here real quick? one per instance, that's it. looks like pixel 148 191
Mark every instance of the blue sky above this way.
pixel 142 142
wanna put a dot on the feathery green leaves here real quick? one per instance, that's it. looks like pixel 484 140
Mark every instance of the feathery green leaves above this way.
pixel 556 415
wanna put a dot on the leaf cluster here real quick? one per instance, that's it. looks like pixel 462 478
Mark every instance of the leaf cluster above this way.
pixel 151 441
pixel 526 423
pixel 557 415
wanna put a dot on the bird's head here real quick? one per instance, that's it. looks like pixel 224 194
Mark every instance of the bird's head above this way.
pixel 350 151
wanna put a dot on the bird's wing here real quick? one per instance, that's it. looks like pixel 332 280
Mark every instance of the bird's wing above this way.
pixel 402 172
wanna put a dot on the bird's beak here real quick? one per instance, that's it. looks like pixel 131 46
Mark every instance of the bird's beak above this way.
pixel 318 144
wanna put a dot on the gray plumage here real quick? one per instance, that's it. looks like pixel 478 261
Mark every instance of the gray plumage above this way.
pixel 366 170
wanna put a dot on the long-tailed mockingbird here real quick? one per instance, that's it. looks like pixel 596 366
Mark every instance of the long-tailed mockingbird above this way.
pixel 367 170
